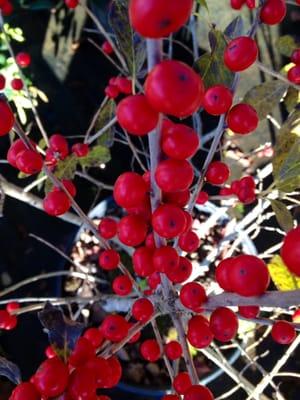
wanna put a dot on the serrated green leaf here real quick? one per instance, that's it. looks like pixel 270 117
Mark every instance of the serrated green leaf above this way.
pixel 291 99
pixel 286 45
pixel 282 276
pixel 106 114
pixel 265 97
pixel 283 215
pixel 65 169
pixel 211 65
pixel 96 156
pixel 235 28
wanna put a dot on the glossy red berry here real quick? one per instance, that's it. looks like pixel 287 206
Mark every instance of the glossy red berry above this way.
pixel 217 173
pixel 294 74
pixel 224 324
pixel 249 311
pixel 180 273
pixel 295 57
pixel 250 4
pixel 7 8
pixel 2 82
pixel 290 251
pixel 109 259
pixel 242 118
pixel 165 258
pixel 114 328
pixel 135 115
pixel 168 79
pixel 132 230
pixel 51 378
pixel 150 350
pixel 122 285
pixel 168 221
pixel 154 280
pixel 29 161
pixel 142 310
pixel 273 12
pixel 23 59
pixel 158 19
pixel 217 100
pixel 17 84
pixel 11 322
pixel 173 350
pixel 174 175
pixel 12 306
pixel 246 195
pixel 240 53
pixel 7 118
pixel 180 199
pixel 94 336
pixel 143 261
pixel 59 145
pixel 71 3
pixel 56 203
pixel 82 384
pixel 124 85
pixel 4 318
pixel 222 273
pixel 197 392
pixel 130 190
pixel 50 352
pixel 80 149
pixel 182 382
pixel 83 351
pixel 192 295
pixel 283 332
pixel 108 228
pixel 248 276
pixel 111 91
pixel 237 4
pixel 202 198
pixel 180 142
pixel 107 48
pixel 25 391
pixel 199 334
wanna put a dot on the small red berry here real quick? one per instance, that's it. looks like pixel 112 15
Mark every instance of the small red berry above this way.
pixel 150 350
pixel 295 57
pixel 180 199
pixel 80 149
pixel 168 221
pixel 142 310
pixel 181 142
pixel 122 285
pixel 82 384
pixel 7 8
pixel 173 350
pixel 2 82
pixel 294 74
pixel 242 119
pixel 107 48
pixel 59 145
pixel 56 203
pixel 240 53
pixel 180 273
pixel 12 306
pixel 290 251
pixel 83 351
pixel 189 241
pixel 222 273
pixel 132 230
pixel 192 295
pixel 174 175
pixel 109 259
pixel 197 392
pixel 273 12
pixel 217 173
pixel 223 324
pixel 217 100
pixel 142 260
pixel 114 328
pixel 50 352
pixel 249 311
pixel 283 332
pixel 112 91
pixel 23 59
pixel 202 198
pixel 165 258
pixel 124 85
pixel 199 334
pixel 130 190
pixel 182 382
pixel 68 185
pixel 108 228
pixel 94 336
pixel 17 84
pixel 29 162
pixel 7 118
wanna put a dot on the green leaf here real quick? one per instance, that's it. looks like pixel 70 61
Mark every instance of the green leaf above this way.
pixel 96 156
pixel 283 215
pixel 211 64
pixel 282 276
pixel 105 115
pixel 286 45
pixel 291 99
pixel 22 175
pixel 235 28
pixel 65 169
pixel 265 96
pixel 288 178
pixel 42 144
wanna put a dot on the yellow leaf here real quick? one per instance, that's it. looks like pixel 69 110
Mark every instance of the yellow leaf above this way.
pixel 281 276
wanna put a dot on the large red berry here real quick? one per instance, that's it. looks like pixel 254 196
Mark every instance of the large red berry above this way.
pixel 82 384
pixel 180 142
pixel 174 175
pixel 59 145
pixel 16 147
pixel 94 336
pixel 166 81
pixel 23 59
pixel 130 190
pixel 248 276
pixel 240 53
pixel 122 285
pixel 29 161
pixel 114 328
pixel 290 251
pixel 135 115
pixel 197 392
pixel 224 324
pixel 249 311
pixel 173 350
pixel 150 350
pixel 132 230
pixel 217 173
pixel 143 261
pixel 283 332
pixel 109 259
pixel 156 18
pixel 142 310
pixel 165 258
pixel 294 74
pixel 7 118
pixel 180 273
pixel 199 334
pixel 25 391
pixel 182 382
pixel 51 378
pixel 222 273
pixel 168 221
pixel 192 295
pixel 56 203
pixel 242 118
pixel 217 100
pixel 273 12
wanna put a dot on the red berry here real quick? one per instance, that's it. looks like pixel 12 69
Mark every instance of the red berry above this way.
pixel 197 392
pixel 150 242
pixel 29 161
pixel 189 241
pixel 150 350
pixel 246 195
pixel 59 145
pixel 12 306
pixel 56 203
pixel 180 199
pixel 107 48
pixel 143 262
pixel 82 384
pixel 23 59
pixel 94 336
pixel 165 258
pixel 249 311
pixel 182 272
pixel 181 142
pixel 7 8
pixel 7 118
pixel 182 382
pixel 237 4
pixel 158 19
pixel 202 198
pixel 223 324
pixel 50 352
pixel 199 334
pixel 217 173
pixel 273 12
pixel 25 391
pixel 154 280
pixel 108 372
pixel 168 221
pixel 11 322
pixel 51 158
pixel 132 230
pixel 192 295
pixel 111 91
pixel 83 351
pixel 68 185
pixel 80 149
pixel 222 273
pixel 122 285
pixel 168 79
pixel 248 276
pixel 114 328
pixel 124 85
pixel 51 378
pixel 173 350
pixel 142 310
pixel 2 82
pixel 17 84
pixel 109 259
pixel 174 175
pixel 290 251
pixel 242 118
pixel 283 332
pixel 135 115
pixel 4 319
pixel 130 190
pixel 217 100
pixel 294 74
pixel 295 57
pixel 240 53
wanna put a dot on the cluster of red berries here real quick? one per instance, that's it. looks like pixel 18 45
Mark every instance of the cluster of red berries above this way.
pixel 244 189
pixel 8 320
pixel 271 13
pixel 294 73
pixel 118 85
